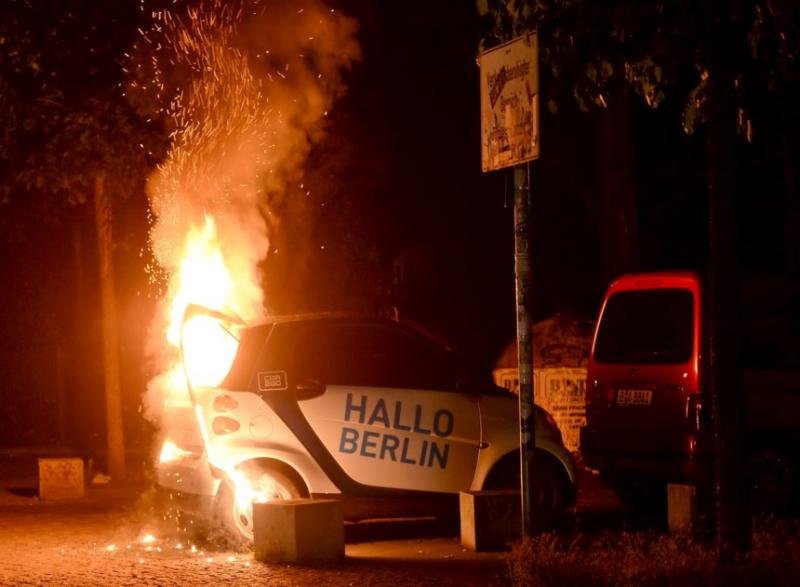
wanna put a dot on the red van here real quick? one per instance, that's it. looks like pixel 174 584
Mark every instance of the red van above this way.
pixel 647 415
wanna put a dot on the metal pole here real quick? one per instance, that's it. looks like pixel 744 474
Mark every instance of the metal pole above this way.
pixel 522 269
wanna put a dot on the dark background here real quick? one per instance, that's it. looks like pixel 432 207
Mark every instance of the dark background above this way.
pixel 410 224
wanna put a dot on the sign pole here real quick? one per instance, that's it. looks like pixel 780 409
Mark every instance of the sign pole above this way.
pixel 522 270
pixel 510 138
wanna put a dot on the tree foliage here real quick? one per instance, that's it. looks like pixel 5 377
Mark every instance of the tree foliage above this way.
pixel 64 114
pixel 654 47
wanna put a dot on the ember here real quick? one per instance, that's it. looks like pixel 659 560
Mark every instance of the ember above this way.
pixel 246 92
pixel 148 539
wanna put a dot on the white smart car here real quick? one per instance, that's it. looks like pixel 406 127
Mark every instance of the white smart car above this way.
pixel 362 409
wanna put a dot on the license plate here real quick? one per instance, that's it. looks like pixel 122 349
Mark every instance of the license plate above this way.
pixel 634 397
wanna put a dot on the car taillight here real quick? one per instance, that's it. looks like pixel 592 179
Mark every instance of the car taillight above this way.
pixel 224 425
pixel 225 403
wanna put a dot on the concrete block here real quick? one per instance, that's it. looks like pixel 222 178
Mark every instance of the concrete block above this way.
pixel 298 530
pixel 682 508
pixel 61 478
pixel 490 519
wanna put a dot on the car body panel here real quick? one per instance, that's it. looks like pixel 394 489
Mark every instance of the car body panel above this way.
pixel 405 439
pixel 262 435
pixel 355 440
pixel 500 437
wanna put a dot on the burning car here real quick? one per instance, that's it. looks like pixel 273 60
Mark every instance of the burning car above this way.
pixel 370 411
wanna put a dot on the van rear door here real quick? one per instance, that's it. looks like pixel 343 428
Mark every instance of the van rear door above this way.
pixel 643 368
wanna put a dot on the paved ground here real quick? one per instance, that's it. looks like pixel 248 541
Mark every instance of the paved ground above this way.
pixel 122 536
pixel 115 536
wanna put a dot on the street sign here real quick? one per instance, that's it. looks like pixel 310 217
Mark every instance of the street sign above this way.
pixel 510 103
pixel 510 138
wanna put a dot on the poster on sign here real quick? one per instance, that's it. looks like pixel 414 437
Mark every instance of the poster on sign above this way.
pixel 510 103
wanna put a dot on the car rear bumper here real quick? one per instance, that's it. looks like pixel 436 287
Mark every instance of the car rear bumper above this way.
pixel 664 468
pixel 191 476
pixel 199 506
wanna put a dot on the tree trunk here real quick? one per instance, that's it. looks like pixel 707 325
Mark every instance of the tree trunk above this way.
pixel 76 355
pixel 114 423
pixel 727 402
pixel 619 213
pixel 791 154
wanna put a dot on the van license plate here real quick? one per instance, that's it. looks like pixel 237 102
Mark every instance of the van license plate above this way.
pixel 634 397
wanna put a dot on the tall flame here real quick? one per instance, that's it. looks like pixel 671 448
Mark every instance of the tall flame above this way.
pixel 202 278
pixel 245 86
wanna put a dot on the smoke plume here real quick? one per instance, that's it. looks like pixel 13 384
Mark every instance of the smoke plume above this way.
pixel 244 87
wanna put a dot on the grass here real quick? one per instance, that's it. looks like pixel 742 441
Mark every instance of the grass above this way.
pixel 650 558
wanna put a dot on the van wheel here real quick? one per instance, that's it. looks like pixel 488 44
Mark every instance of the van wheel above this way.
pixel 773 486
pixel 254 484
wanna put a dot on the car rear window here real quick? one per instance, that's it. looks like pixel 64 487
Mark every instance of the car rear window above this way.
pixel 367 354
pixel 250 343
pixel 652 326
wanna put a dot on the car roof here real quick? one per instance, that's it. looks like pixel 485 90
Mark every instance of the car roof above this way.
pixel 342 316
pixel 347 317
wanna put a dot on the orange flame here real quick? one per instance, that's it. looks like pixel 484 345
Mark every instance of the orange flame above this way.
pixel 203 278
pixel 242 130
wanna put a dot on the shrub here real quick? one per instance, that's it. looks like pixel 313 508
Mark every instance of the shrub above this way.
pixel 649 558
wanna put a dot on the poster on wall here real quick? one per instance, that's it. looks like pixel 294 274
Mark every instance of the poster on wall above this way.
pixel 559 390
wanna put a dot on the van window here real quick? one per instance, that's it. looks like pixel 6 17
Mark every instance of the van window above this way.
pixel 652 326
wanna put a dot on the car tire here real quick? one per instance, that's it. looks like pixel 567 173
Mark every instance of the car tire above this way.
pixel 548 495
pixel 235 518
pixel 549 489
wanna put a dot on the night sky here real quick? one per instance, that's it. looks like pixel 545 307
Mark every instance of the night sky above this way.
pixel 399 175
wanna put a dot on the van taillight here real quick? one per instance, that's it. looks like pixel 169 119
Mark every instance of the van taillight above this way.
pixel 592 392
pixel 695 412
pixel 599 396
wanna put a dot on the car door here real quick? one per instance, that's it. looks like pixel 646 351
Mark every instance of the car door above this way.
pixel 390 414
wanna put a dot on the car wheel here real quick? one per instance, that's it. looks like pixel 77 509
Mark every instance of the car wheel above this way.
pixel 547 494
pixel 773 486
pixel 254 485
pixel 548 486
